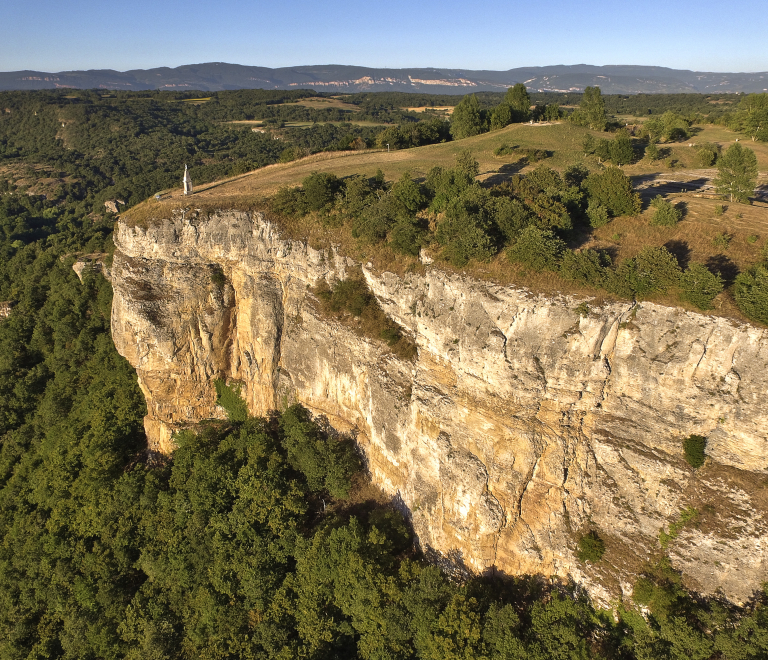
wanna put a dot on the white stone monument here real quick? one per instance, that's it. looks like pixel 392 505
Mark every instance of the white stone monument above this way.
pixel 187 181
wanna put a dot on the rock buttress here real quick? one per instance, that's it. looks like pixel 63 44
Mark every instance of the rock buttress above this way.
pixel 520 425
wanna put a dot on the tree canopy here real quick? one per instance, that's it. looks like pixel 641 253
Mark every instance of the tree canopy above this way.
pixel 737 173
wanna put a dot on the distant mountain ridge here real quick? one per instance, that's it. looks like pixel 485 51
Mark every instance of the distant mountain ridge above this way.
pixel 218 76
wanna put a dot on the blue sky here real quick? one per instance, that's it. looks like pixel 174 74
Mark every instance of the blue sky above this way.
pixel 477 34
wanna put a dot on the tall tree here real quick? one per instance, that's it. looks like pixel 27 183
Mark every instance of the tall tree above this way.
pixel 501 116
pixel 737 173
pixel 466 120
pixel 592 107
pixel 753 116
pixel 518 99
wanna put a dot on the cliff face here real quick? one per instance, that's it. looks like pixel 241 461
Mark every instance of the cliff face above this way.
pixel 520 425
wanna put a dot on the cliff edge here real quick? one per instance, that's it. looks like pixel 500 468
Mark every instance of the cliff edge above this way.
pixel 523 422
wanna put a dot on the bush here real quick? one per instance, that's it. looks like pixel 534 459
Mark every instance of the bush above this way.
pixel 537 249
pixel 693 447
pixel 407 237
pixel 620 150
pixel 353 297
pixel 445 185
pixel 289 202
pixel 613 189
pixel 597 215
pixel 358 195
pixel 585 267
pixel 722 240
pixel 655 269
pixel 468 229
pixel 707 154
pixel 575 175
pixel 751 293
pixel 229 398
pixel 374 223
pixel 591 547
pixel 699 286
pixel 652 151
pixel 320 189
pixel 665 214
pixel 512 216
pixel 504 150
pixel 217 277
pixel 535 155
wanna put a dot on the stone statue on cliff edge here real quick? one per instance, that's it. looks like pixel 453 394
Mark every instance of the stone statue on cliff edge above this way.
pixel 187 181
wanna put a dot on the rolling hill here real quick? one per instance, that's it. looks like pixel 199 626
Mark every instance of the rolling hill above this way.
pixel 217 76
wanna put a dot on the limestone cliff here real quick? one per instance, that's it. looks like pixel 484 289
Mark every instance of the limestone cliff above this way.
pixel 520 425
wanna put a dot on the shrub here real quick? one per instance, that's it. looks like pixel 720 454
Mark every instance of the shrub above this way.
pixel 374 223
pixel 358 195
pixel 537 249
pixel 504 150
pixel 585 267
pixel 620 149
pixel 654 269
pixel 289 202
pixel 229 398
pixel 699 286
pixel 751 293
pixel 407 196
pixel 591 547
pixel 501 117
pixel 665 214
pixel 719 210
pixel 468 229
pixel 613 189
pixel 445 185
pixel 575 175
pixel 535 155
pixel 722 240
pixel 353 297
pixel 320 189
pixel 217 277
pixel 693 448
pixel 512 216
pixel 657 270
pixel 707 153
pixel 652 152
pixel 597 215
pixel 407 237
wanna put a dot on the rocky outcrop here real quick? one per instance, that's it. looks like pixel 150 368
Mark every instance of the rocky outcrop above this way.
pixel 95 262
pixel 524 421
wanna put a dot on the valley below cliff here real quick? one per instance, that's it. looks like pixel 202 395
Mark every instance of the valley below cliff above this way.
pixel 523 422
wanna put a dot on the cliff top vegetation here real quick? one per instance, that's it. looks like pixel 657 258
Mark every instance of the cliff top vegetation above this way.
pixel 680 211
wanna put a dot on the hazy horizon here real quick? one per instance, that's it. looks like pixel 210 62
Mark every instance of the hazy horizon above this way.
pixel 86 34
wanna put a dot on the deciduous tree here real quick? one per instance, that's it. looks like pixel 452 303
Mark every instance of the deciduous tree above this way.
pixel 520 102
pixel 466 120
pixel 737 173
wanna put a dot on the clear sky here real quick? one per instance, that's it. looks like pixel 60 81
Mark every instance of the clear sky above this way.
pixel 49 35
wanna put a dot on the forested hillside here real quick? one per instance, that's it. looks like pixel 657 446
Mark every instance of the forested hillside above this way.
pixel 261 538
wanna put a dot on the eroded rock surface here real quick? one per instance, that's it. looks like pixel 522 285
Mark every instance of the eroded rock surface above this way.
pixel 520 425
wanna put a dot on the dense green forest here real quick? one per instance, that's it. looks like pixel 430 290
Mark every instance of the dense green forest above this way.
pixel 97 146
pixel 257 540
